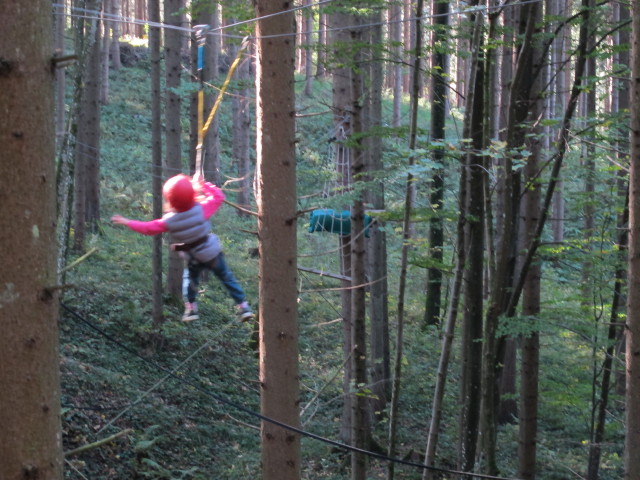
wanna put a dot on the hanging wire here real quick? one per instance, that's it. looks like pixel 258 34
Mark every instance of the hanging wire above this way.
pixel 94 14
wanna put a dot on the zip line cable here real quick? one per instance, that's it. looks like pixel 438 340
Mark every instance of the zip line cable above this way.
pixel 262 417
pixel 94 14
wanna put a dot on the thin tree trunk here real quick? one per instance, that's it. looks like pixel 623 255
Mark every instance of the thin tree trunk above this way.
pixel 342 123
pixel 361 431
pixel 598 435
pixel 406 236
pixel 447 337
pixel 86 170
pixel 321 68
pixel 470 390
pixel 242 134
pixel 173 129
pixel 632 327
pixel 377 243
pixel 529 374
pixel 156 158
pixel 60 74
pixel 308 50
pixel 439 74
pixel 116 33
pixel 106 48
pixel 395 32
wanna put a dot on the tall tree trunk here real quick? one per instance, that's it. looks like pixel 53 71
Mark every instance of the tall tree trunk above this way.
pixel 104 53
pixel 406 237
pixel 60 74
pixel 86 172
pixel 439 74
pixel 342 124
pixel 447 337
pixel 116 33
pixel 470 390
pixel 172 116
pixel 361 432
pixel 321 67
pixel 156 157
pixel 397 57
pixel 140 14
pixel 620 103
pixel 527 69
pixel 558 48
pixel 307 36
pixel 529 371
pixel 277 204
pixel 30 438
pixel 632 326
pixel 377 243
pixel 242 133
pixel 602 406
pixel 508 409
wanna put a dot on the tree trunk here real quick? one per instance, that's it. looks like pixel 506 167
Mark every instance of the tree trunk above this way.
pixel 307 25
pixel 406 237
pixel 508 409
pixel 30 437
pixel 602 406
pixel 342 124
pixel 116 33
pixel 447 337
pixel 140 14
pixel 529 372
pixel 361 429
pixel 558 48
pixel 242 132
pixel 104 53
pixel 156 157
pixel 439 74
pixel 377 243
pixel 87 156
pixel 60 75
pixel 632 326
pixel 395 34
pixel 173 130
pixel 470 390
pixel 321 68
pixel 277 204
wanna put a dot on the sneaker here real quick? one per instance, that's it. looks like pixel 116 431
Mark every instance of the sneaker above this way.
pixel 190 312
pixel 244 312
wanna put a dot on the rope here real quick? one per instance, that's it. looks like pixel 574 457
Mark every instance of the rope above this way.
pixel 202 131
pixel 262 417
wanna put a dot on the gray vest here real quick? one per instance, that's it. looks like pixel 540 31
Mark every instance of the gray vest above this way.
pixel 190 227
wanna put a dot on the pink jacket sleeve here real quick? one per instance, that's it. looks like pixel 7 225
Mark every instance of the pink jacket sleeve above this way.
pixel 153 227
pixel 213 200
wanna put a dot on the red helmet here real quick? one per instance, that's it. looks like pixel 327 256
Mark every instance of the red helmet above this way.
pixel 179 192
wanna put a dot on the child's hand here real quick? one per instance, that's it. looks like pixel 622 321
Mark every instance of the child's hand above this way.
pixel 119 220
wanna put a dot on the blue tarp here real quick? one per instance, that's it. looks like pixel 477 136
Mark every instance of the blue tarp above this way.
pixel 328 220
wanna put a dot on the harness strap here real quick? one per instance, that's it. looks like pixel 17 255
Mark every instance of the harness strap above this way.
pixel 184 247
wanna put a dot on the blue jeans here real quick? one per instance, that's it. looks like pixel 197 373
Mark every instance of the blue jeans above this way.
pixel 219 267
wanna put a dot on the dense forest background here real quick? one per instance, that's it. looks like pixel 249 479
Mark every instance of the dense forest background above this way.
pixel 429 204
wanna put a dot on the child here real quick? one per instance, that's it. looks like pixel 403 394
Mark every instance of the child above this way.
pixel 190 232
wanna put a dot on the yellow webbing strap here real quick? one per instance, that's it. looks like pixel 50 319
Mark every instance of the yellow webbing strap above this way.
pixel 202 130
